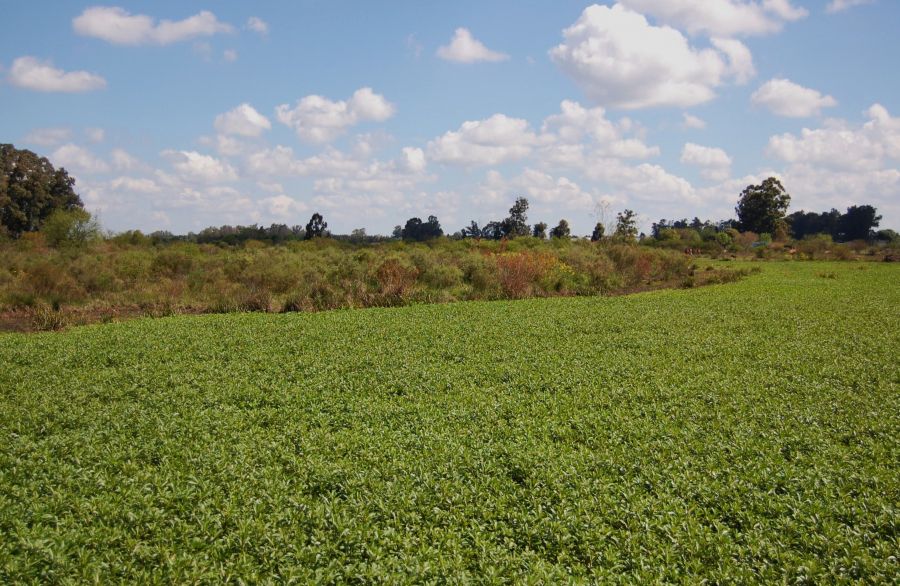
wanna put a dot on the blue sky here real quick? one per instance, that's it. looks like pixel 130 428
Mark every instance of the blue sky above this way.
pixel 181 115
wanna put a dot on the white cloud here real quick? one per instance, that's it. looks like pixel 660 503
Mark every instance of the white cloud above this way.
pixel 230 55
pixel 280 160
pixel 134 185
pixel 620 59
pixel 495 140
pixel 539 187
pixel 413 160
pixel 786 98
pixel 123 161
pixel 721 17
pixel 560 132
pixel 243 120
pixel 838 145
pixel 79 160
pixel 575 121
pixel 740 60
pixel 226 145
pixel 95 134
pixel 841 164
pixel 35 74
pixel 840 5
pixel 318 119
pixel 49 136
pixel 464 48
pixel 691 121
pixel 258 25
pixel 194 166
pixel 283 207
pixel 714 163
pixel 115 25
pixel 643 183
pixel 270 186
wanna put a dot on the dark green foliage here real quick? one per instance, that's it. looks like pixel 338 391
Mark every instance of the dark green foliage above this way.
pixel 561 230
pixel 471 231
pixel 805 224
pixel 597 234
pixel 540 231
pixel 31 189
pixel 418 231
pixel 678 437
pixel 626 226
pixel 762 207
pixel 517 223
pixel 514 226
pixel 493 231
pixel 859 223
pixel 317 227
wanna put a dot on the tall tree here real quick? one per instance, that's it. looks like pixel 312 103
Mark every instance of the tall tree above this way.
pixel 762 207
pixel 31 189
pixel 561 230
pixel 471 231
pixel 626 226
pixel 317 227
pixel 540 230
pixel 859 223
pixel 517 223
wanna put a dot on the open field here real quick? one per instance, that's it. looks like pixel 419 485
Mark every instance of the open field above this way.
pixel 745 432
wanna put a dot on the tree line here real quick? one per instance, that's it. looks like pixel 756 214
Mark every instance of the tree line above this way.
pixel 36 196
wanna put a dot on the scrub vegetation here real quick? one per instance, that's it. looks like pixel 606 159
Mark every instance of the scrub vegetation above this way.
pixel 43 287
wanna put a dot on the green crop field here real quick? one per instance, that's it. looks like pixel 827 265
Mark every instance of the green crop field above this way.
pixel 745 432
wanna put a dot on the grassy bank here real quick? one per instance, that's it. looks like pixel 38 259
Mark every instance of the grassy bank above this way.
pixel 736 433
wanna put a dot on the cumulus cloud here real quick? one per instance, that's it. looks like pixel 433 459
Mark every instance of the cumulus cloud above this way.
pixel 714 163
pixel 644 183
pixel 619 59
pixel 116 25
pixel 243 120
pixel 258 25
pixel 283 207
pixel 838 145
pixel 840 5
pixel 842 163
pixel 94 134
pixel 740 60
pixel 413 160
pixel 123 161
pixel 786 98
pixel 49 136
pixel 40 75
pixel 134 185
pixel 496 140
pixel 281 160
pixel 464 48
pixel 539 187
pixel 691 121
pixel 721 17
pixel 194 166
pixel 317 119
pixel 79 160
pixel 574 123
